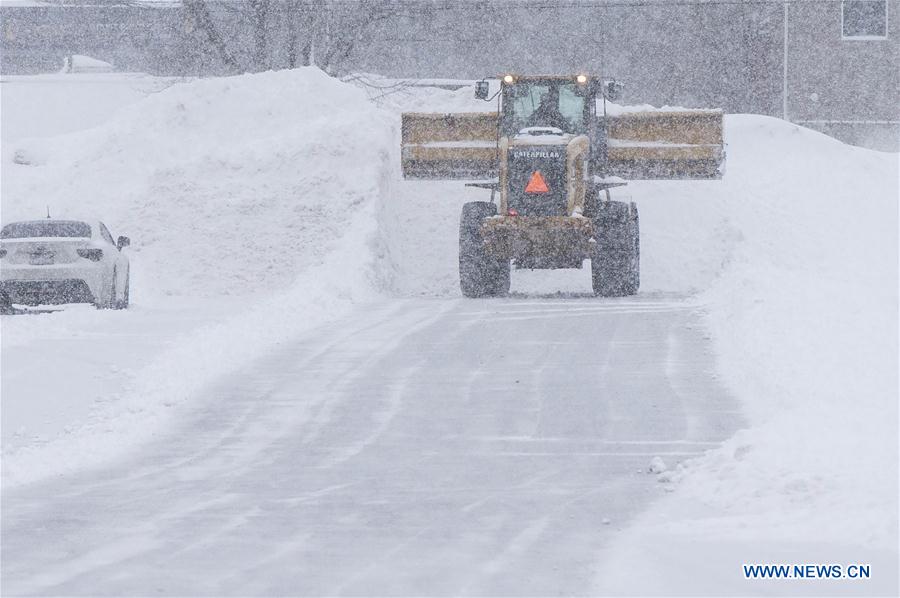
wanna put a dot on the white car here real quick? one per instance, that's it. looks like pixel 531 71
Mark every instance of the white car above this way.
pixel 63 261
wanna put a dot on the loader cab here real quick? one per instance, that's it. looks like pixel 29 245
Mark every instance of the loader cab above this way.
pixel 564 103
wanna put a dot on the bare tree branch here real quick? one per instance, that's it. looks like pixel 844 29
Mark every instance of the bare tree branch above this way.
pixel 199 13
pixel 290 33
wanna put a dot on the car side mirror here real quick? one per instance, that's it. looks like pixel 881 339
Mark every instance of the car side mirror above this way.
pixel 123 242
pixel 613 90
pixel 481 90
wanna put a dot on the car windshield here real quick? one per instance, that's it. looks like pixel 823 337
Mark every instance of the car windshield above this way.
pixel 45 228
pixel 551 104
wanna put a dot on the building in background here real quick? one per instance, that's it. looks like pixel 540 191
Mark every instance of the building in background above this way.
pixel 830 65
pixel 37 35
pixel 842 70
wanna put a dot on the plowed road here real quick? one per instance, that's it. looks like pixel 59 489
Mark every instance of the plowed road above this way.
pixel 423 447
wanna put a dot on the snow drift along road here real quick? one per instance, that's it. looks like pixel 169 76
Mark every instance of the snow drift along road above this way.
pixel 803 315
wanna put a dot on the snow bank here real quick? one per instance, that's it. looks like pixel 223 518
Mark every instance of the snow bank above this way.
pixel 265 156
pixel 154 397
pixel 804 319
pixel 94 356
pixel 260 190
pixel 805 323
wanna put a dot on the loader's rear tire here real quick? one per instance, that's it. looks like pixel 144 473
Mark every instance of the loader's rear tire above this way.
pixel 6 306
pixel 636 239
pixel 616 263
pixel 480 275
pixel 591 203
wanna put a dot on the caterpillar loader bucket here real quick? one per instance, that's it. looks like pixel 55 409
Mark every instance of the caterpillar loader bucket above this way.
pixel 684 144
pixel 449 146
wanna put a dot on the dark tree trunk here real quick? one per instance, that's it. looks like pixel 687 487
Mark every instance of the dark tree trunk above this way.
pixel 199 13
pixel 306 53
pixel 293 37
pixel 260 10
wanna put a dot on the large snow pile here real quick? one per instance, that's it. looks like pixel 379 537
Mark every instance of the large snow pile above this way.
pixel 226 186
pixel 803 315
pixel 260 193
pixel 805 320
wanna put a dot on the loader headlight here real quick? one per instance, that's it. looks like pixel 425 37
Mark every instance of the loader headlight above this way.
pixel 508 79
pixel 582 79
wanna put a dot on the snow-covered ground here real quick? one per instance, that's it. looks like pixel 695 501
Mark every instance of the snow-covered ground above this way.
pixel 245 230
pixel 803 316
pixel 248 231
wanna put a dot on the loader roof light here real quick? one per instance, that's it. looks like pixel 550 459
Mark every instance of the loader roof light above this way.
pixel 582 79
pixel 508 79
pixel 537 184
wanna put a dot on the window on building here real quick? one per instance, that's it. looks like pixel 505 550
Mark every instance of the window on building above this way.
pixel 864 19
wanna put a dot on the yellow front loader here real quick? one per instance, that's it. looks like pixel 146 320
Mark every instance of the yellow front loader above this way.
pixel 549 154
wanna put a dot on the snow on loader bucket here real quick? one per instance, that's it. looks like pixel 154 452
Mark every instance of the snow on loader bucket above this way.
pixel 676 144
pixel 449 146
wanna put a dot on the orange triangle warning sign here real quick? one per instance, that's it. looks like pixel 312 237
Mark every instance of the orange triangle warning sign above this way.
pixel 537 184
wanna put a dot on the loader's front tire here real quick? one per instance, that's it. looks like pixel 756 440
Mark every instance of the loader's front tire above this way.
pixel 480 275
pixel 616 263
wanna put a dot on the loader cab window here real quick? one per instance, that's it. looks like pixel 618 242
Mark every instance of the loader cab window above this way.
pixel 552 104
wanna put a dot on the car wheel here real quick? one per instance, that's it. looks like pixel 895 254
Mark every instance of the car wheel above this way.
pixel 123 303
pixel 110 302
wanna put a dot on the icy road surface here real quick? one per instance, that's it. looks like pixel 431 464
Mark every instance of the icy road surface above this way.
pixel 423 447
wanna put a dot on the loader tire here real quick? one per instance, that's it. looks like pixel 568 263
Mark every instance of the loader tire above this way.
pixel 615 265
pixel 591 203
pixel 635 281
pixel 6 306
pixel 480 275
